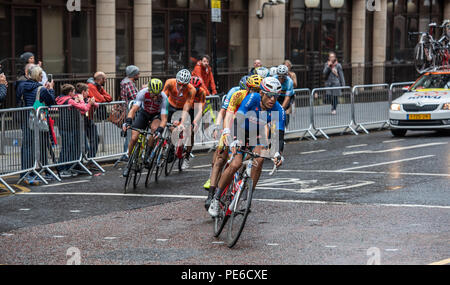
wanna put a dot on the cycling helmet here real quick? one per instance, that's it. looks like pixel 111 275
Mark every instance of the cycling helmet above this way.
pixel 270 86
pixel 183 76
pixel 155 86
pixel 196 81
pixel 254 81
pixel 243 82
pixel 273 71
pixel 282 69
pixel 263 72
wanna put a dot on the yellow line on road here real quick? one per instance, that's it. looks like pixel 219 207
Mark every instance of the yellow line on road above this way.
pixel 442 262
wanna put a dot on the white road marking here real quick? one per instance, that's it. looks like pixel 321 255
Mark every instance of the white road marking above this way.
pixel 391 141
pixel 162 239
pixel 313 220
pixel 388 162
pixel 110 238
pixel 272 244
pixel 313 151
pixel 58 236
pixel 331 246
pixel 7 235
pixel 395 148
pixel 356 145
pixel 201 166
pixel 262 200
pixel 75 211
pixel 65 183
pixel 391 249
pixel 313 189
pixel 24 209
pixel 218 242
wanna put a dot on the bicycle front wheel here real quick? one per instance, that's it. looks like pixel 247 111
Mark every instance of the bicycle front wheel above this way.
pixel 131 165
pixel 221 220
pixel 239 212
pixel 161 161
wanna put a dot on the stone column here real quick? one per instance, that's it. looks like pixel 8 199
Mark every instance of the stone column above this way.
pixel 358 41
pixel 379 42
pixel 266 36
pixel 143 35
pixel 106 35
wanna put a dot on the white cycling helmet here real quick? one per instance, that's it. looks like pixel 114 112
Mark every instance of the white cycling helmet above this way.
pixel 262 71
pixel 270 85
pixel 282 69
pixel 183 76
pixel 273 71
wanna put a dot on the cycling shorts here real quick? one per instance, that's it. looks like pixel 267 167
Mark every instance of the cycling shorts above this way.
pixel 143 119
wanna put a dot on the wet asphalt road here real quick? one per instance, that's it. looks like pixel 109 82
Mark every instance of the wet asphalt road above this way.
pixel 334 201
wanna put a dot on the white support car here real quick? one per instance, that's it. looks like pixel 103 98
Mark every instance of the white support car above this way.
pixel 425 106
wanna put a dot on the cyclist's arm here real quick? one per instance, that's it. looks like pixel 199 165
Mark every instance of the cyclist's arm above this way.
pixel 164 110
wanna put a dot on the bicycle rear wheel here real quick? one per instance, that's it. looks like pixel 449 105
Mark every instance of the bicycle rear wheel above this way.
pixel 221 220
pixel 239 212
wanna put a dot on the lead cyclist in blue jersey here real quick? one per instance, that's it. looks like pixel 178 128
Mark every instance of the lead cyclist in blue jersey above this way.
pixel 250 119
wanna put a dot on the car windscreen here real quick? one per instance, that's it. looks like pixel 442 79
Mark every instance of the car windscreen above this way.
pixel 429 81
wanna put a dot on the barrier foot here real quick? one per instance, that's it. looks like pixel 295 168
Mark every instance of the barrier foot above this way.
pixel 323 133
pixel 40 176
pixel 7 186
pixel 96 165
pixel 52 173
pixel 353 130
pixel 85 168
pixel 310 134
pixel 385 124
pixel 362 128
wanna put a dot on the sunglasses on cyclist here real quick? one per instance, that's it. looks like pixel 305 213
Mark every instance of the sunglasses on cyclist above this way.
pixel 271 94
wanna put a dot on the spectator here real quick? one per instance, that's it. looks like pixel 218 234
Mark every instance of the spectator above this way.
pixel 3 87
pixel 291 74
pixel 28 58
pixel 334 78
pixel 29 91
pixel 25 75
pixel 96 89
pixel 204 71
pixel 128 92
pixel 69 127
pixel 90 128
pixel 256 64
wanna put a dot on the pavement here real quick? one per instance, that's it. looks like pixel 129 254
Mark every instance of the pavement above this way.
pixel 367 199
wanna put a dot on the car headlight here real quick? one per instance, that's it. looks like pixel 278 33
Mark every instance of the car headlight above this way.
pixel 446 106
pixel 396 107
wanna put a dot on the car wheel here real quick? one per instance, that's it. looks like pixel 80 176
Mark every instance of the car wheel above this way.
pixel 398 132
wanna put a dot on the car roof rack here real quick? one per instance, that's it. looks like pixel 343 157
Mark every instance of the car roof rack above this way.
pixel 435 68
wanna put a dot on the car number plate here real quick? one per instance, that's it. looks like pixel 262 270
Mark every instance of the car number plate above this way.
pixel 418 116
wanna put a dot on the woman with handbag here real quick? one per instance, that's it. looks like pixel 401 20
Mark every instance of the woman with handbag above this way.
pixel 35 95
pixel 334 75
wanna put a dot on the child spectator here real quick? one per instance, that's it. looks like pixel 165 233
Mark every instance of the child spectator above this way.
pixel 69 126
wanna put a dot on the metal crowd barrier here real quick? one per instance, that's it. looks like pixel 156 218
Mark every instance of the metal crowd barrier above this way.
pixel 396 90
pixel 322 118
pixel 370 105
pixel 16 143
pixel 212 108
pixel 301 116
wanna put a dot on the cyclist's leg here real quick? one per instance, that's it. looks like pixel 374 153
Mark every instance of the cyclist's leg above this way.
pixel 257 166
pixel 218 163
pixel 153 126
pixel 228 173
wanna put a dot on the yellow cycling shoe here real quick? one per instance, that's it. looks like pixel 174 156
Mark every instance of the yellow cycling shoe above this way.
pixel 207 184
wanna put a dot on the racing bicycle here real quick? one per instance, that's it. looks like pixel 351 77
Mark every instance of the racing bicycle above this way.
pixel 236 200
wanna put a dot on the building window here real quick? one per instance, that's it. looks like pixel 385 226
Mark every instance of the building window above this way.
pixel 124 34
pixel 182 33
pixel 406 16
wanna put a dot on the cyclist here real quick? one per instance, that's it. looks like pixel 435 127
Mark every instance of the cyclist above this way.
pixel 215 128
pixel 263 71
pixel 151 106
pixel 253 85
pixel 181 96
pixel 287 89
pixel 195 113
pixel 273 71
pixel 253 104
